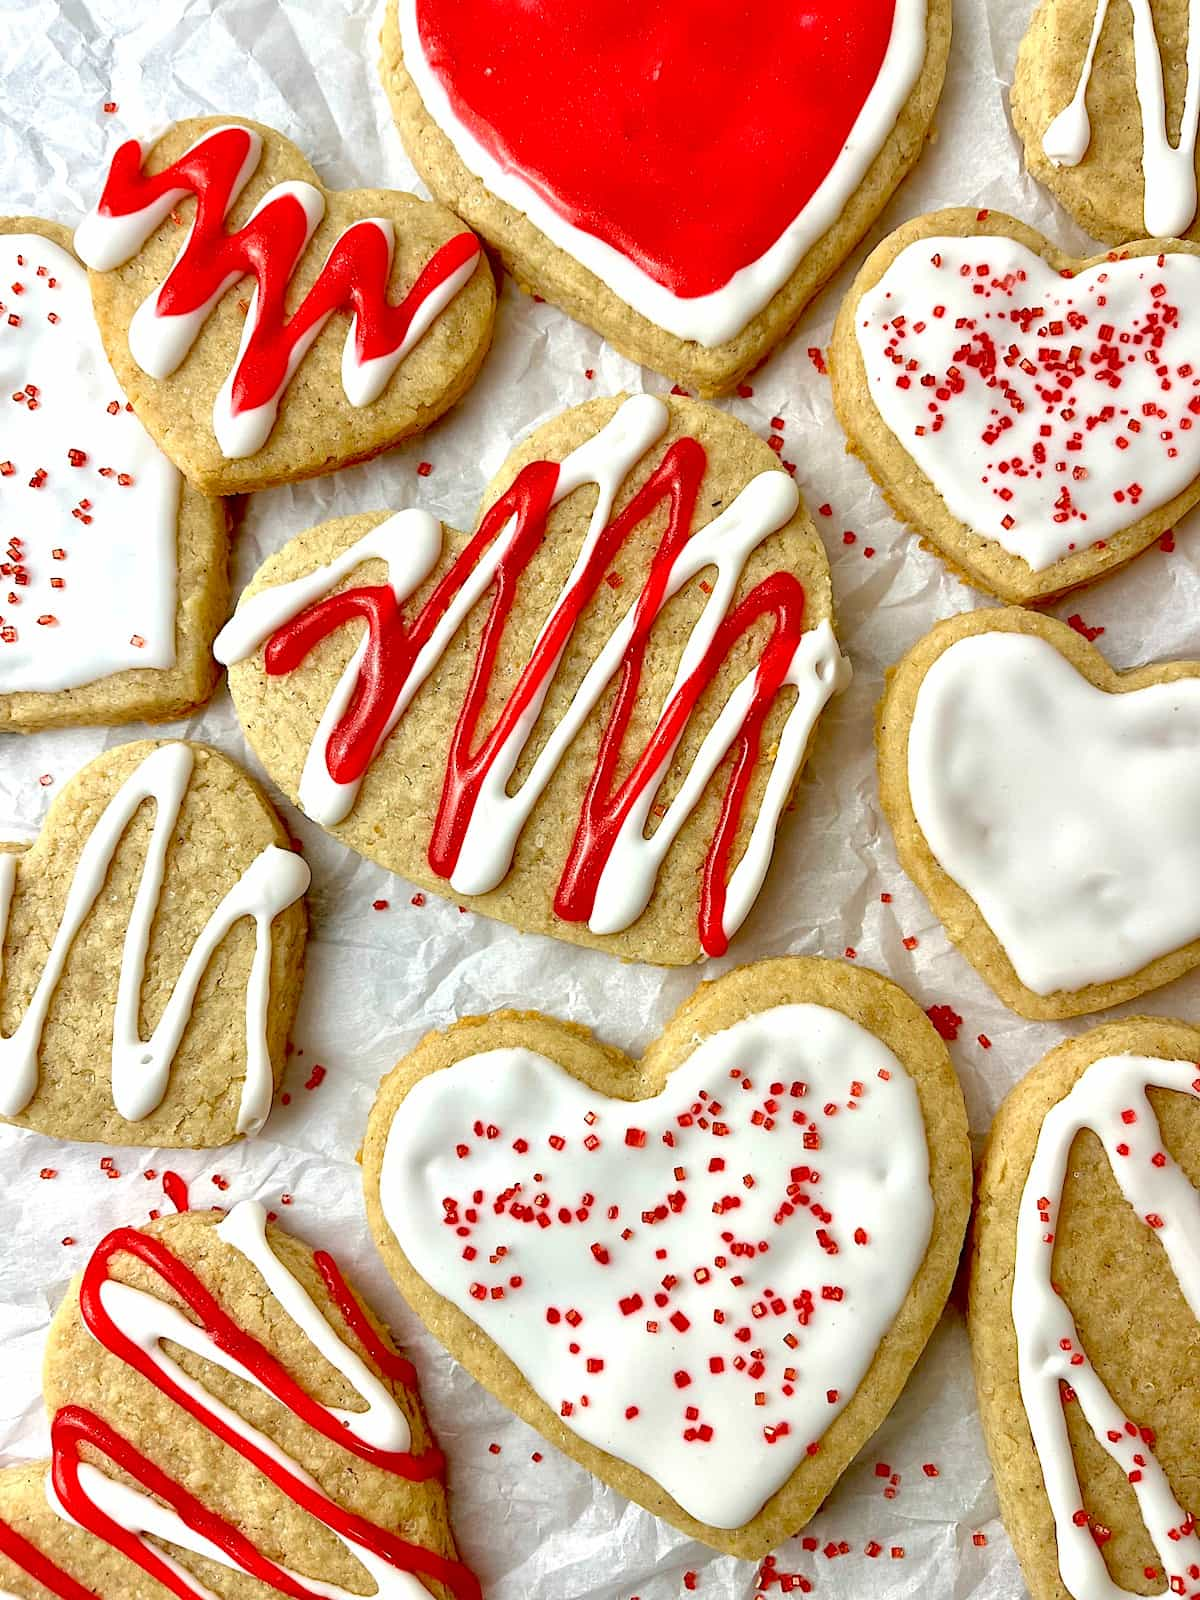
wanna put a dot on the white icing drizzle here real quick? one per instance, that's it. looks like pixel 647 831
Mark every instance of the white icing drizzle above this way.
pixel 1049 1352
pixel 410 544
pixel 860 1127
pixel 1169 169
pixel 141 1067
pixel 148 1321
pixel 88 586
pixel 708 319
pixel 159 341
pixel 1069 815
pixel 1023 397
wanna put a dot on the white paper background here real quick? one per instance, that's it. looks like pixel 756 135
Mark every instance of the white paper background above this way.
pixel 378 980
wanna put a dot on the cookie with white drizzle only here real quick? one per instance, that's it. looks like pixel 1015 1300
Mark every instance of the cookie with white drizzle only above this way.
pixel 705 1276
pixel 1083 1304
pixel 1033 418
pixel 588 717
pixel 114 576
pixel 153 937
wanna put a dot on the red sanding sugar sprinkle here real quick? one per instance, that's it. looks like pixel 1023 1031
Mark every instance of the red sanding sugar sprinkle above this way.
pixel 946 1020
pixel 1076 621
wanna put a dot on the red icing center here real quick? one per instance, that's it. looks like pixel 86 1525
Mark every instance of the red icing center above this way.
pixel 353 279
pixel 75 1426
pixel 393 645
pixel 688 135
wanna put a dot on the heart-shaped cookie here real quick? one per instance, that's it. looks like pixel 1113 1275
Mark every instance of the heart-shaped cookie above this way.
pixel 226 1416
pixel 648 172
pixel 705 1276
pixel 587 717
pixel 266 328
pixel 1030 414
pixel 1084 1298
pixel 1047 806
pixel 153 942
pixel 115 575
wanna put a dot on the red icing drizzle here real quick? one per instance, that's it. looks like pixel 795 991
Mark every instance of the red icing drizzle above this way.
pixel 39 1566
pixel 74 1426
pixel 176 1190
pixel 390 1362
pixel 392 647
pixel 686 135
pixel 353 279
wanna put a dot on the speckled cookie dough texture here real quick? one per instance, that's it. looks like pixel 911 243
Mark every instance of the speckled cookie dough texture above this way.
pixel 115 575
pixel 266 328
pixel 227 1418
pixel 1083 1308
pixel 683 179
pixel 153 941
pixel 707 1275
pixel 1046 805
pixel 1106 99
pixel 588 717
pixel 1029 415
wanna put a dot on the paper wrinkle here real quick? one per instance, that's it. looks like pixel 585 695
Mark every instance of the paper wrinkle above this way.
pixel 378 980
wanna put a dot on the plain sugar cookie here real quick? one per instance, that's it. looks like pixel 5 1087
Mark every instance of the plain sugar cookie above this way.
pixel 581 1231
pixel 682 180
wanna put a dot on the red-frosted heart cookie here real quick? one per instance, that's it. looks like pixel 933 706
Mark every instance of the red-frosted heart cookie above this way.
pixel 266 328
pixel 683 178
pixel 1036 417
pixel 707 1276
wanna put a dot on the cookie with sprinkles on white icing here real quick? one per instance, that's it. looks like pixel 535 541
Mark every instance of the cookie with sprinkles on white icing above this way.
pixel 113 576
pixel 1034 417
pixel 705 1276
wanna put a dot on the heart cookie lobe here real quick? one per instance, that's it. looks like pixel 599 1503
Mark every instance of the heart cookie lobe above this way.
pixel 691 240
pixel 705 1277
pixel 1083 1305
pixel 1046 807
pixel 153 938
pixel 1030 414
pixel 116 570
pixel 289 329
pixel 280 1439
pixel 593 710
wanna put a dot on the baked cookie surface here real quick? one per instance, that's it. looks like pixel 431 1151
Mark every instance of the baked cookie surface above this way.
pixel 227 1418
pixel 529 1187
pixel 1027 413
pixel 291 329
pixel 116 570
pixel 153 942
pixel 1082 1312
pixel 1046 807
pixel 1105 100
pixel 666 192
pixel 587 717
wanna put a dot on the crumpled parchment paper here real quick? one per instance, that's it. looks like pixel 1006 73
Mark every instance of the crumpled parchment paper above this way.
pixel 916 1516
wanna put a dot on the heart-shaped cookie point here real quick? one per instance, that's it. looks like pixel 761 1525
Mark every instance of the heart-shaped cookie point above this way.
pixel 172 1473
pixel 1047 807
pixel 658 612
pixel 650 173
pixel 115 573
pixel 1032 415
pixel 706 1278
pixel 284 403
pixel 1084 1294
pixel 154 936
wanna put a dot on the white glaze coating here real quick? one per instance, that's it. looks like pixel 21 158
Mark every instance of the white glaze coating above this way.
pixel 1070 816
pixel 147 1321
pixel 1048 1348
pixel 1169 170
pixel 159 341
pixel 114 581
pixel 980 444
pixel 410 544
pixel 713 318
pixel 873 1168
pixel 141 1068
